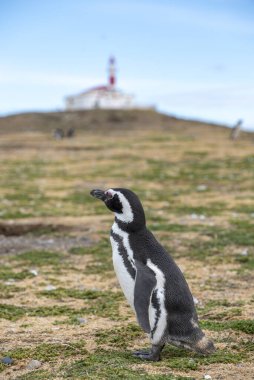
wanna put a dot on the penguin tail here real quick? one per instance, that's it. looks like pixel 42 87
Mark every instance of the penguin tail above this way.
pixel 204 346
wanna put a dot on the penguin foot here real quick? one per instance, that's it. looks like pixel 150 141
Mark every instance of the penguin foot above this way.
pixel 141 352
pixel 146 356
pixel 152 355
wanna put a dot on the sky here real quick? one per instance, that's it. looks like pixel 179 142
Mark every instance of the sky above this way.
pixel 189 58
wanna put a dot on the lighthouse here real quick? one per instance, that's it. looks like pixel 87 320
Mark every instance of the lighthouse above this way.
pixel 112 73
pixel 103 96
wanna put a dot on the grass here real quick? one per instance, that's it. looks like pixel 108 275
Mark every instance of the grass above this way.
pixel 48 352
pixel 100 303
pixel 51 182
pixel 238 234
pixel 177 358
pixel 246 326
pixel 39 258
pixel 120 338
pixel 110 365
pixel 7 273
pixel 13 313
pixel 8 291
pixel 36 375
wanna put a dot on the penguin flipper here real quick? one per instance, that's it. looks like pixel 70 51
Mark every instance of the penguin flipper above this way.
pixel 144 283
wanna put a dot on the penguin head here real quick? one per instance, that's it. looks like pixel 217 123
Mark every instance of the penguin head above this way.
pixel 124 203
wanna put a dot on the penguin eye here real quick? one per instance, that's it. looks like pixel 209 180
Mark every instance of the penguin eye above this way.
pixel 109 195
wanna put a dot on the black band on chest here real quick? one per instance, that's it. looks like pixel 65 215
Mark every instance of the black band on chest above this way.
pixel 124 254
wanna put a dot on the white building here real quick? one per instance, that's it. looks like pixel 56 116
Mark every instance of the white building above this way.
pixel 105 97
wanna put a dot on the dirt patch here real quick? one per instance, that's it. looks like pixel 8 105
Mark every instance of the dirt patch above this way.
pixel 18 229
pixel 19 244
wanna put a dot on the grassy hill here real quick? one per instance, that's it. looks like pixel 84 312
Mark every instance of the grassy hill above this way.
pixel 100 119
pixel 60 302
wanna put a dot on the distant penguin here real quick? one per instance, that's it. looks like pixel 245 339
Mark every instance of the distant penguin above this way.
pixel 70 132
pixel 150 279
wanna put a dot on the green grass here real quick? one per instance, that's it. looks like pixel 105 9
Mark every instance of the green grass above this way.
pixel 100 303
pixel 102 258
pixel 39 258
pixel 182 360
pixel 13 313
pixel 162 225
pixel 80 251
pixel 7 273
pixel 111 365
pixel 244 325
pixel 8 291
pixel 240 234
pixel 247 262
pixel 224 302
pixel 227 310
pixel 120 337
pixel 48 352
pixel 244 209
pixel 114 365
pixel 36 375
pixel 101 254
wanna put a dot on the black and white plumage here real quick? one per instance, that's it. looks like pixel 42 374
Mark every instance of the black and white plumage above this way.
pixel 150 279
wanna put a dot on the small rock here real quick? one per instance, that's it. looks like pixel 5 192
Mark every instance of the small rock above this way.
pixel 244 252
pixel 6 360
pixel 201 188
pixel 10 281
pixel 197 217
pixel 34 364
pixel 50 287
pixel 50 241
pixel 82 321
pixel 195 300
pixel 34 272
pixel 207 377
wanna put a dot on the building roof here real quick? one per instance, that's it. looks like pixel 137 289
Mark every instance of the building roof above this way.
pixel 101 89
pixel 97 88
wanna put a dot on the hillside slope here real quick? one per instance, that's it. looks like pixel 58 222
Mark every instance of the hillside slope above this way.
pixel 110 120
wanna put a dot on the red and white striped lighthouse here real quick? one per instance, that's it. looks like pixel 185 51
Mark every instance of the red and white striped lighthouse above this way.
pixel 112 73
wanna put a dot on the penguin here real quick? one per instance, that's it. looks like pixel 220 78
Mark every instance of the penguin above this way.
pixel 151 281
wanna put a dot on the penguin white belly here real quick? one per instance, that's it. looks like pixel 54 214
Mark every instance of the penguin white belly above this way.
pixel 125 280
pixel 123 263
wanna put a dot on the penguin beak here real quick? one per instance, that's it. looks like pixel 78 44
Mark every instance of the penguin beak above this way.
pixel 99 194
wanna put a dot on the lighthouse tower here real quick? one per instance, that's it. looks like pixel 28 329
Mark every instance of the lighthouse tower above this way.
pixel 112 73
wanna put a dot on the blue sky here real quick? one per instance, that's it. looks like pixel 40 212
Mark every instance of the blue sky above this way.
pixel 190 58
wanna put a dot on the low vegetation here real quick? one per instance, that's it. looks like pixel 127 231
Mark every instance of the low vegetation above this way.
pixel 61 304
